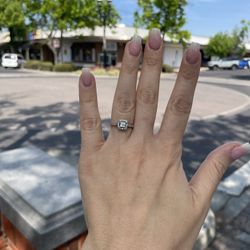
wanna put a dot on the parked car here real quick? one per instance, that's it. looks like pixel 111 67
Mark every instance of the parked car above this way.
pixel 226 63
pixel 248 60
pixel 244 64
pixel 11 60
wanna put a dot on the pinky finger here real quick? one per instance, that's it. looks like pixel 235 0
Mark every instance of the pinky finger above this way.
pixel 90 121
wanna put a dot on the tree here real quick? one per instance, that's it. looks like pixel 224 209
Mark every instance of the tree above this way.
pixel 167 15
pixel 221 45
pixel 12 18
pixel 53 16
pixel 229 44
pixel 108 18
pixel 64 15
pixel 112 16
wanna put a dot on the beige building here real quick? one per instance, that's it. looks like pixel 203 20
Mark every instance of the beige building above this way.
pixel 83 47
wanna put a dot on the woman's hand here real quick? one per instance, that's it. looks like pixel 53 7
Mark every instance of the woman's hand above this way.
pixel 135 192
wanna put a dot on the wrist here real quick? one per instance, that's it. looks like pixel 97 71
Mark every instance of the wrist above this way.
pixel 92 243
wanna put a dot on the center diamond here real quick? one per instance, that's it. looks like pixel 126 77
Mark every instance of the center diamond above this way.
pixel 122 125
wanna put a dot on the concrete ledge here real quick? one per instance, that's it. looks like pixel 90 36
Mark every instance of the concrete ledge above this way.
pixel 40 195
pixel 219 200
pixel 236 182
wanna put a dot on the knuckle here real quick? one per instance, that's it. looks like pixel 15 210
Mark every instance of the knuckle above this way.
pixel 217 169
pixel 91 98
pixel 124 103
pixel 179 105
pixel 172 151
pixel 173 155
pixel 90 123
pixel 130 68
pixel 189 73
pixel 147 96
pixel 152 60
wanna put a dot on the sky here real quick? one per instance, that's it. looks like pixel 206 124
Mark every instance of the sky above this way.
pixel 204 17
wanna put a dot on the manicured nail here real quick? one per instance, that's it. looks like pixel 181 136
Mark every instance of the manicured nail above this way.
pixel 87 77
pixel 240 151
pixel 154 40
pixel 134 46
pixel 193 53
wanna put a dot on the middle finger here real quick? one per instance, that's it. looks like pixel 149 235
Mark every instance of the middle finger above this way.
pixel 148 87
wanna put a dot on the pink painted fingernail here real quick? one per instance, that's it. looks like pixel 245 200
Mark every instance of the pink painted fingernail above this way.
pixel 193 53
pixel 87 77
pixel 134 46
pixel 240 151
pixel 154 40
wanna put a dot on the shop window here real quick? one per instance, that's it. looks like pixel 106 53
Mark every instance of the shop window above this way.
pixel 83 52
pixel 87 56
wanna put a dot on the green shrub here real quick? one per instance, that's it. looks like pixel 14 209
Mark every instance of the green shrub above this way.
pixel 64 67
pixel 167 68
pixel 32 64
pixel 47 66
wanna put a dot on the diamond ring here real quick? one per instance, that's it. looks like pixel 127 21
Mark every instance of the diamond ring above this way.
pixel 122 125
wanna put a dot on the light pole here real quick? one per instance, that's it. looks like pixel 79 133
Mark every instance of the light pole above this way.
pixel 104 12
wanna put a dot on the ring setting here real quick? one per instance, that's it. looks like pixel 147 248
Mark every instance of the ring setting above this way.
pixel 122 125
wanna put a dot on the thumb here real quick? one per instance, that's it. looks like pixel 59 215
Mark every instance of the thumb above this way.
pixel 208 176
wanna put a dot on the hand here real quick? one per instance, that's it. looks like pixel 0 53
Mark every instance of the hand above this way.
pixel 135 192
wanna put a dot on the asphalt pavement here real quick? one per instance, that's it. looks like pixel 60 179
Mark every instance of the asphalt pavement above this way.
pixel 243 74
pixel 42 109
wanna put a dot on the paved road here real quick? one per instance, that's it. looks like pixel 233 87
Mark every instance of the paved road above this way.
pixel 43 117
pixel 12 72
pixel 43 110
pixel 228 74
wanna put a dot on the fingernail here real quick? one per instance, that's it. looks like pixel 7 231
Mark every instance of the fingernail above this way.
pixel 193 53
pixel 87 77
pixel 134 46
pixel 154 40
pixel 240 151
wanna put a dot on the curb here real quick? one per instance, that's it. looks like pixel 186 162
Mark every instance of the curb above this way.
pixel 225 113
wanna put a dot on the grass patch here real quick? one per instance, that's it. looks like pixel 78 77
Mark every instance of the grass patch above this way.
pixel 64 67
